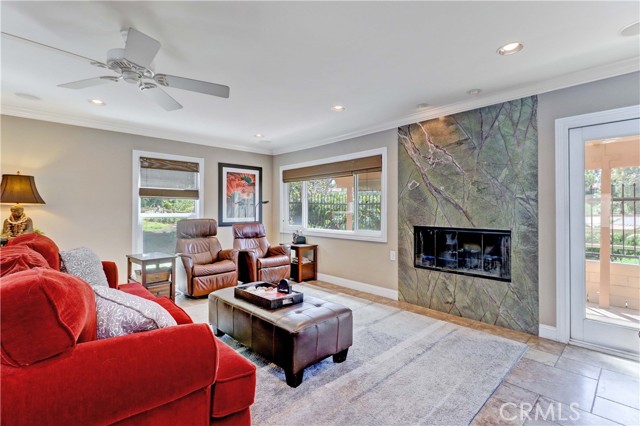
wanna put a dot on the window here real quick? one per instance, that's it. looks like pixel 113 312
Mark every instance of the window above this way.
pixel 340 196
pixel 167 188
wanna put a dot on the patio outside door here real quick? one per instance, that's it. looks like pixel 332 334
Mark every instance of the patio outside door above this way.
pixel 604 204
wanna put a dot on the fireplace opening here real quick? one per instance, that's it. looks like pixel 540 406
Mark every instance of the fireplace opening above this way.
pixel 482 253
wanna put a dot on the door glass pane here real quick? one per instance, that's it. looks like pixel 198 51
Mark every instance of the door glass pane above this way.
pixel 612 230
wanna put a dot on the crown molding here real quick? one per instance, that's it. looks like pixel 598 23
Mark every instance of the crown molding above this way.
pixel 118 126
pixel 589 75
pixel 568 80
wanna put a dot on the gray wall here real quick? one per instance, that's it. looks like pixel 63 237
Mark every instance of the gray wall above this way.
pixel 361 261
pixel 85 177
pixel 601 95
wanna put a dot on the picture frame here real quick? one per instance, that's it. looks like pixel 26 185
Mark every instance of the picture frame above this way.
pixel 239 194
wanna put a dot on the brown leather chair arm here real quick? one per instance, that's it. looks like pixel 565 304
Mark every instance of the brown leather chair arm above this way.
pixel 229 254
pixel 247 265
pixel 188 262
pixel 284 249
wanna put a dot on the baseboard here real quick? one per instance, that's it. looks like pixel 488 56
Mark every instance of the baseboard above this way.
pixel 356 285
pixel 548 332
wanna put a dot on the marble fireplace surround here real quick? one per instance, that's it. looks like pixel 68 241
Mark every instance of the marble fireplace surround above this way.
pixel 476 169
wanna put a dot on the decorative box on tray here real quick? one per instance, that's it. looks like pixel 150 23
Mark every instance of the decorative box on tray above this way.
pixel 266 295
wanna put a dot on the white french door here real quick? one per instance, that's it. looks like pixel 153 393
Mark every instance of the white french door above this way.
pixel 603 273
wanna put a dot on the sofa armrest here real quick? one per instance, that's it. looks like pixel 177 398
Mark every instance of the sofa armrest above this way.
pixel 111 271
pixel 229 254
pixel 284 249
pixel 247 265
pixel 105 381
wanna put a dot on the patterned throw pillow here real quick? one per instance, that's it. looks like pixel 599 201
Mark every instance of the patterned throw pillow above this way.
pixel 85 264
pixel 121 313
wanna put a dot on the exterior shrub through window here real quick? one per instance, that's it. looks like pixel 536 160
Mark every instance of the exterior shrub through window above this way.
pixel 341 197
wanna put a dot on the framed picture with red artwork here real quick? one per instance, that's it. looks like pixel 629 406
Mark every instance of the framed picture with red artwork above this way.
pixel 239 194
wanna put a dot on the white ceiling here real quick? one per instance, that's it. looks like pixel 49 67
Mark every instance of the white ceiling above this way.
pixel 287 63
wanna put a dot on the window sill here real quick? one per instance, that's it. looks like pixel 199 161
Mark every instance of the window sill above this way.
pixel 375 237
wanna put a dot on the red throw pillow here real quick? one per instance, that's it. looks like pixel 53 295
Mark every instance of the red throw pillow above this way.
pixel 43 313
pixel 20 258
pixel 43 245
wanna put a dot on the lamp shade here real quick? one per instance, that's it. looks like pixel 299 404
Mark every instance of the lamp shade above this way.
pixel 19 189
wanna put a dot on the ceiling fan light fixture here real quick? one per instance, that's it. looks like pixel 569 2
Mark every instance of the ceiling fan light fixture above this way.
pixel 131 76
pixel 97 102
pixel 510 48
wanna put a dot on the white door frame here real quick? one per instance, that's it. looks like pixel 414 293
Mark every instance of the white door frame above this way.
pixel 563 246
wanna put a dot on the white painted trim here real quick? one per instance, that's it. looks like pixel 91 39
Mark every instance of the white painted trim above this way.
pixel 136 229
pixel 572 79
pixel 372 236
pixel 605 350
pixel 547 332
pixel 614 69
pixel 125 127
pixel 360 286
pixel 563 234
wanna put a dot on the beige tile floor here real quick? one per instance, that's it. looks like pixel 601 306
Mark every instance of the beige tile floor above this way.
pixel 552 384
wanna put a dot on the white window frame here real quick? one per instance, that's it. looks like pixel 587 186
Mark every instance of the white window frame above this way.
pixel 363 235
pixel 136 233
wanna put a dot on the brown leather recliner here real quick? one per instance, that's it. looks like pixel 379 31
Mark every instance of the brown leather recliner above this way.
pixel 257 260
pixel 208 267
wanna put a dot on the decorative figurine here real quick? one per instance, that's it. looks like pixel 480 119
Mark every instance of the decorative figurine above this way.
pixel 18 223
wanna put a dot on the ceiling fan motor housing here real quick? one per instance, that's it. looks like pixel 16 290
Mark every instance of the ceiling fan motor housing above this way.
pixel 131 72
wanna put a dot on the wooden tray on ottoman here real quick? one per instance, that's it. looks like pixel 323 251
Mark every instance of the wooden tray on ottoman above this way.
pixel 267 302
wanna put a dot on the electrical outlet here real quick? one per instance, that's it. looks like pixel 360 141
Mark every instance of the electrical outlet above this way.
pixel 392 255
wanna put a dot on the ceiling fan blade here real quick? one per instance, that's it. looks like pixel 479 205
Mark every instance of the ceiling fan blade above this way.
pixel 44 46
pixel 81 84
pixel 192 85
pixel 162 98
pixel 140 48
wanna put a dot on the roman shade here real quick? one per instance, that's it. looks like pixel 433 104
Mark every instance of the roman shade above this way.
pixel 333 170
pixel 161 178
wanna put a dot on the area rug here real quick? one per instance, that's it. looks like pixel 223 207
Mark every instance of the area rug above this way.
pixel 403 369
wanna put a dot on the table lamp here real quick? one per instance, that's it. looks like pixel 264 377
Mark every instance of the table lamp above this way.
pixel 18 190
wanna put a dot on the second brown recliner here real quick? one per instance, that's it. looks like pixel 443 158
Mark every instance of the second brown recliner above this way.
pixel 208 267
pixel 257 260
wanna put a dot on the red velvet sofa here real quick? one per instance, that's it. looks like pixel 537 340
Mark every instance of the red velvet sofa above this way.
pixel 179 375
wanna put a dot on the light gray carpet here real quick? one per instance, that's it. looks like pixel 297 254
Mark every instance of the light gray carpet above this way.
pixel 403 369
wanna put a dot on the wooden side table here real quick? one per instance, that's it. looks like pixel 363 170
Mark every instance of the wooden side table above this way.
pixel 301 269
pixel 161 281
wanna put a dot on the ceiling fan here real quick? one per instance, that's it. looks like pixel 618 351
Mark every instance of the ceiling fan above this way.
pixel 134 65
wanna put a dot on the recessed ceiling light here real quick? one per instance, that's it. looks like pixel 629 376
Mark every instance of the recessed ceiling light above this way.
pixel 422 105
pixel 338 108
pixel 27 96
pixel 474 92
pixel 631 30
pixel 258 135
pixel 510 48
pixel 97 102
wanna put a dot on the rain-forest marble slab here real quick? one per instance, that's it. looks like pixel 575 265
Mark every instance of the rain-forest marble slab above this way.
pixel 476 169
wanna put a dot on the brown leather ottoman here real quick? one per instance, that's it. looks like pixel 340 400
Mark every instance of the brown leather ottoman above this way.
pixel 293 337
